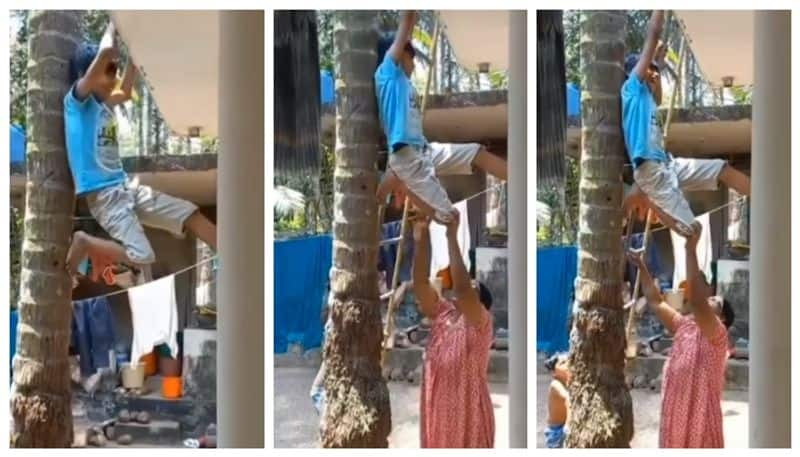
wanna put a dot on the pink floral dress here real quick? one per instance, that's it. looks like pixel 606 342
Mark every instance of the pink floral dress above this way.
pixel 694 375
pixel 456 408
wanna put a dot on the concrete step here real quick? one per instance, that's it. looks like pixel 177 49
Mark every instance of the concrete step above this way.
pixel 405 364
pixel 160 432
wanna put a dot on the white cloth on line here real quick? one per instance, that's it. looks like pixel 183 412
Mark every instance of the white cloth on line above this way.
pixel 704 252
pixel 154 313
pixel 440 258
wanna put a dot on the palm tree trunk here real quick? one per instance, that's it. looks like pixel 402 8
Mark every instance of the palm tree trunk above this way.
pixel 40 403
pixel 358 412
pixel 601 414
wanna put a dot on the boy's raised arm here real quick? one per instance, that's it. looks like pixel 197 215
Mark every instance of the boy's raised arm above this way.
pixel 403 35
pixel 654 29
pixel 107 53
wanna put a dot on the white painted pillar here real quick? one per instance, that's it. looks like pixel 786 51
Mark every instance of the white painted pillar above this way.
pixel 240 231
pixel 770 254
pixel 517 228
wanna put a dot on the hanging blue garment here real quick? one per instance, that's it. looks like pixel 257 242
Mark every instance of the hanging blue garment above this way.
pixel 92 333
pixel 556 269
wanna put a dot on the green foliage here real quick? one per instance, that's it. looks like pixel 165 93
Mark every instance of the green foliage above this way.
pixel 742 95
pixel 94 25
pixel 325 34
pixel 563 203
pixel 18 83
pixel 572 50
pixel 634 38
pixel 317 216
pixel 498 80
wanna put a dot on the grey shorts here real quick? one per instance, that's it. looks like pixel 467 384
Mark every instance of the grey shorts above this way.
pixel 665 182
pixel 122 210
pixel 418 169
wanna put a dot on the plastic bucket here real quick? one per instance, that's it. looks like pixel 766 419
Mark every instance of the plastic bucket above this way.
pixel 133 376
pixel 171 387
pixel 167 366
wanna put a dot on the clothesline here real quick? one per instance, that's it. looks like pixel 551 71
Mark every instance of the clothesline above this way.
pixel 202 262
pixel 181 271
pixel 714 210
pixel 397 239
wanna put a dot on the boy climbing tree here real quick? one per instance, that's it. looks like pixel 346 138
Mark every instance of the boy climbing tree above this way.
pixel 414 163
pixel 120 205
pixel 660 178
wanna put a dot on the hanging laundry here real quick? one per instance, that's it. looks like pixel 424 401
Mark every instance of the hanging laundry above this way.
pixel 652 258
pixel 440 258
pixel 704 252
pixel 93 334
pixel 154 312
pixel 388 252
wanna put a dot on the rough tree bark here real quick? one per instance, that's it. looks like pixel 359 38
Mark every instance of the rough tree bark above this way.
pixel 40 403
pixel 358 411
pixel 602 414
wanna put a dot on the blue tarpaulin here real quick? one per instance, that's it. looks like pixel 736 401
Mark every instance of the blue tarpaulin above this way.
pixel 301 284
pixel 13 333
pixel 556 269
pixel 17 146
pixel 573 100
pixel 327 92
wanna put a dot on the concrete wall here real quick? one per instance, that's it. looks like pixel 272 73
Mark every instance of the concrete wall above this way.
pixel 492 270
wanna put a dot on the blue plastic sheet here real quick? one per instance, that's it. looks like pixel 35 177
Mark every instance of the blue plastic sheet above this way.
pixel 17 144
pixel 573 100
pixel 327 92
pixel 556 269
pixel 301 283
pixel 14 318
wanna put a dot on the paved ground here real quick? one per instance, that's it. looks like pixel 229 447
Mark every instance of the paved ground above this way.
pixel 646 409
pixel 296 420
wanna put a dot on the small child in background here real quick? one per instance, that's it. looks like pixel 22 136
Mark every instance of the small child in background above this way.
pixel 557 401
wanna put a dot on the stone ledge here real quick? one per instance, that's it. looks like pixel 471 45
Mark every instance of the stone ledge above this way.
pixel 155 163
pixel 403 364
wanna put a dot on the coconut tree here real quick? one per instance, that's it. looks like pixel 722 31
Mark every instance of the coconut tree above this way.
pixel 601 410
pixel 40 403
pixel 358 412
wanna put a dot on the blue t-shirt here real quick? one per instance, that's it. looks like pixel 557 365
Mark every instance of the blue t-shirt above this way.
pixel 92 148
pixel 640 122
pixel 397 106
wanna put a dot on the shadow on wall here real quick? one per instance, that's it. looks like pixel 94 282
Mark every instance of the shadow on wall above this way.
pixel 492 271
